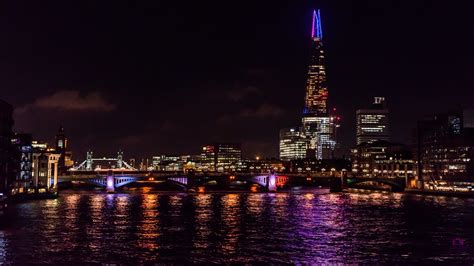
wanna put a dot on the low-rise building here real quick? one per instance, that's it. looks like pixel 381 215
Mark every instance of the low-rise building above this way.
pixel 445 146
pixel 382 158
pixel 315 166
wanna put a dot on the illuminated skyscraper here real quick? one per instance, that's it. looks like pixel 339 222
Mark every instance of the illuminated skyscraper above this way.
pixel 318 130
pixel 372 123
pixel 318 126
pixel 316 87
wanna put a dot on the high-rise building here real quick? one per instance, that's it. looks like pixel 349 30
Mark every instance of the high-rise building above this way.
pixel 373 123
pixel 316 88
pixel 293 144
pixel 318 125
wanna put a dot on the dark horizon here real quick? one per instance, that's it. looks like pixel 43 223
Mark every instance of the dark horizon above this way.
pixel 162 78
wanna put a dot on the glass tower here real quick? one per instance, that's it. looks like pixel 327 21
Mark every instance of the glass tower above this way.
pixel 316 138
pixel 372 123
pixel 316 89
pixel 318 126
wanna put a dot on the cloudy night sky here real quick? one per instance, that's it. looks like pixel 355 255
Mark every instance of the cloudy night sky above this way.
pixel 154 77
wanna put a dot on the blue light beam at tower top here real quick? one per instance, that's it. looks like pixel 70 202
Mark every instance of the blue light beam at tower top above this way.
pixel 317 29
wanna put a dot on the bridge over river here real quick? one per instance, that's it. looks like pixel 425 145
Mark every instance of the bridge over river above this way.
pixel 117 178
pixel 113 173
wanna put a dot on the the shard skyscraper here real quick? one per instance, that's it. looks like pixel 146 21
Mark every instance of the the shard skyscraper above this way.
pixel 319 126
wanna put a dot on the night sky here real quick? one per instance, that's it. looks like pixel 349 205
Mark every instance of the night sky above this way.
pixel 160 77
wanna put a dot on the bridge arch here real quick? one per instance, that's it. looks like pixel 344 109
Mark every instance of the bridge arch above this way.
pixel 396 184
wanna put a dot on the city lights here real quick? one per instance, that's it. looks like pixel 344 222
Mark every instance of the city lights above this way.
pixel 157 133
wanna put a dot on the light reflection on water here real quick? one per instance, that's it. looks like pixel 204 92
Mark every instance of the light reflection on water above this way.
pixel 309 227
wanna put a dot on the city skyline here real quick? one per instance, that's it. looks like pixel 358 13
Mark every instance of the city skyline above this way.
pixel 96 89
pixel 318 132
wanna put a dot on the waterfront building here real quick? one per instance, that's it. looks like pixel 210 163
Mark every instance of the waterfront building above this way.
pixel 45 162
pixel 22 160
pixel 445 147
pixel 315 166
pixel 62 147
pixel 382 159
pixel 372 124
pixel 262 166
pixel 318 125
pixel 228 156
pixel 166 163
pixel 175 163
pixel 293 144
pixel 208 156
pixel 6 148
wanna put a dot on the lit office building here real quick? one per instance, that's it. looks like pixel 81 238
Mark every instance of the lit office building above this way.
pixel 167 163
pixel 373 123
pixel 382 159
pixel 293 144
pixel 208 156
pixel 44 167
pixel 445 145
pixel 228 156
pixel 23 180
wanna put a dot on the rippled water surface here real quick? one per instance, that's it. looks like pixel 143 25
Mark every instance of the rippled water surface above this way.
pixel 142 226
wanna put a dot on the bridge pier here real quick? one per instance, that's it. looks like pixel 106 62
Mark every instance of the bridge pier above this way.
pixel 110 186
pixel 271 183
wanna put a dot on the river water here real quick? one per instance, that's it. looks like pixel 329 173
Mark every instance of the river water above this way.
pixel 144 226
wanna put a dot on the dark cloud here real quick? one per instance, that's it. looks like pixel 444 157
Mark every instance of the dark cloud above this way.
pixel 70 100
pixel 263 111
pixel 239 94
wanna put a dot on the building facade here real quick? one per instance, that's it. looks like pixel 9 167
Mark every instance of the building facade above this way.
pixel 382 159
pixel 208 158
pixel 293 144
pixel 23 180
pixel 445 147
pixel 228 156
pixel 372 124
pixel 45 167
